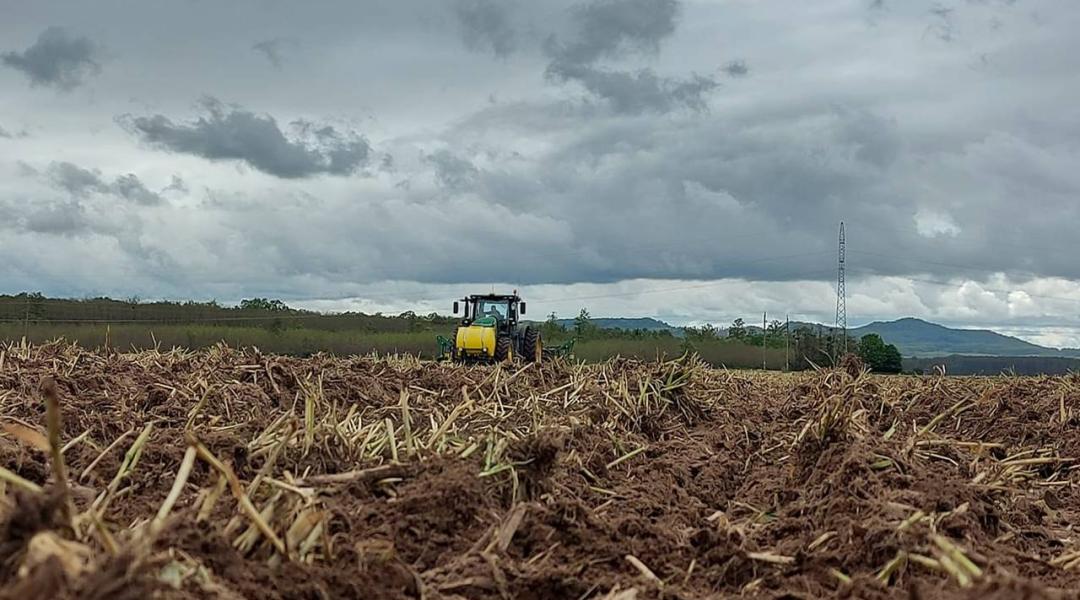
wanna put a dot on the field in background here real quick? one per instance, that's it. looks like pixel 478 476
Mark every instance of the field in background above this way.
pixel 994 365
pixel 273 327
pixel 294 341
pixel 306 341
pixel 231 474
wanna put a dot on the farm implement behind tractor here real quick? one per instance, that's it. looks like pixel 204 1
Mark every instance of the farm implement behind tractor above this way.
pixel 491 331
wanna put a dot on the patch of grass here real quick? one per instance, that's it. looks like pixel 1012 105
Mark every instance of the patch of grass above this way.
pixel 302 341
pixel 715 352
pixel 296 341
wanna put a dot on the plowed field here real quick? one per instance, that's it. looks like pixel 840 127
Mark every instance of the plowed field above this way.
pixel 233 474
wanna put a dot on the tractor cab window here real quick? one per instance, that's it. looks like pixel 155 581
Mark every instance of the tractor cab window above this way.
pixel 492 308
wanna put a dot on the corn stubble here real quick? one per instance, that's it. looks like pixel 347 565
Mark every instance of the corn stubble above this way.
pixel 232 474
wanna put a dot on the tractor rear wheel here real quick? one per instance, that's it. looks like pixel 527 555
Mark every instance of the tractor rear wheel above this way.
pixel 502 349
pixel 532 348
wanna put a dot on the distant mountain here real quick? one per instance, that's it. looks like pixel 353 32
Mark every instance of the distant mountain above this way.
pixel 629 324
pixel 915 337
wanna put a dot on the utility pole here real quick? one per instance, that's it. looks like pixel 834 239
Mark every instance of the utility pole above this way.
pixel 787 342
pixel 841 295
pixel 764 339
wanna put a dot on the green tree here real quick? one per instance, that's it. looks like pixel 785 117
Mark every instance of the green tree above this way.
pixel 687 346
pixel 737 329
pixel 706 332
pixel 583 325
pixel 276 327
pixel 879 356
pixel 35 305
pixel 551 327
pixel 263 304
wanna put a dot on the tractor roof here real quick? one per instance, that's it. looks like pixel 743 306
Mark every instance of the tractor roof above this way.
pixel 494 297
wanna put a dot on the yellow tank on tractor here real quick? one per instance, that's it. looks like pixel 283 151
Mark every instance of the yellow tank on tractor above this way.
pixel 490 331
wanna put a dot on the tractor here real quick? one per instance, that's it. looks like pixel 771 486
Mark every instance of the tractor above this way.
pixel 490 331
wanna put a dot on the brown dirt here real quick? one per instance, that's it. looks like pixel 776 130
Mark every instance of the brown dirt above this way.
pixel 620 480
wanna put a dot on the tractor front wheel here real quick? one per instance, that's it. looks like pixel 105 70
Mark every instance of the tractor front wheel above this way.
pixel 503 351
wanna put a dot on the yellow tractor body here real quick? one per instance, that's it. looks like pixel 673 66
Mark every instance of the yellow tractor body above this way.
pixel 476 341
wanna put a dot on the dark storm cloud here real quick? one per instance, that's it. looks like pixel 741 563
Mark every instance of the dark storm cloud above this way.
pixel 693 188
pixel 56 59
pixel 612 29
pixel 736 68
pixel 176 184
pixel 485 26
pixel 81 182
pixel 229 132
pixel 943 23
pixel 75 179
pixel 876 139
pixel 453 172
pixel 56 219
pixel 48 216
pixel 274 50
pixel 639 91
pixel 24 169
pixel 129 186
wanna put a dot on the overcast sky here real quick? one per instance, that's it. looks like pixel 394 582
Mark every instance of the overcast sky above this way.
pixel 689 160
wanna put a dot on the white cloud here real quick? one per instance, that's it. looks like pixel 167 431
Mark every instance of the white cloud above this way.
pixel 931 223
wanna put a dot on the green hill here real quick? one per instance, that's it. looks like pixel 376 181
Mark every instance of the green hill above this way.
pixel 628 324
pixel 915 337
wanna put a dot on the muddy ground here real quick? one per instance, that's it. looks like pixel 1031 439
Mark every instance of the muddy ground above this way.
pixel 619 480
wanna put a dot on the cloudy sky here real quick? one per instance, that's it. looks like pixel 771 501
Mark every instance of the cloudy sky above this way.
pixel 684 159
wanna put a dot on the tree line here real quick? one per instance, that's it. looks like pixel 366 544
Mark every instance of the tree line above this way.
pixel 799 347
pixel 805 346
